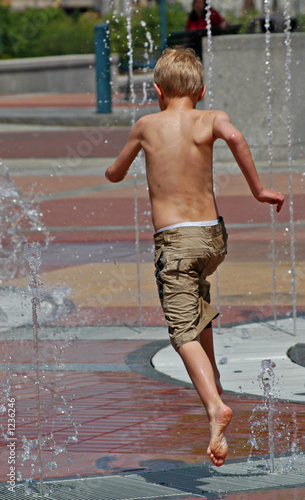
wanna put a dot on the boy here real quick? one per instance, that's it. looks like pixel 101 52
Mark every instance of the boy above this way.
pixel 190 237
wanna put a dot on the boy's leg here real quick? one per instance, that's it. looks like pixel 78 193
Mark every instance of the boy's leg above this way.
pixel 201 373
pixel 207 343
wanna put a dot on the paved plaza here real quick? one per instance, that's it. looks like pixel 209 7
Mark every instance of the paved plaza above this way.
pixel 125 422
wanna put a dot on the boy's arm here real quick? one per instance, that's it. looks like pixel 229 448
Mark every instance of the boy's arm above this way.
pixel 223 129
pixel 118 170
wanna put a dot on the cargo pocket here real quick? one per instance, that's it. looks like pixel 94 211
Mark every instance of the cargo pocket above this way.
pixel 159 265
pixel 225 239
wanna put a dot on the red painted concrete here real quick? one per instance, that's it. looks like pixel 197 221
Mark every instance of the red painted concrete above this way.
pixel 126 420
pixel 132 419
pixel 73 145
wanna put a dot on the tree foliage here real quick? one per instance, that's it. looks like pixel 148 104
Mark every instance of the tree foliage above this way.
pixel 47 32
pixel 51 31
pixel 44 32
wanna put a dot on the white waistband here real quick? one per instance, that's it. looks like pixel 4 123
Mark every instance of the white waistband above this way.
pixel 187 224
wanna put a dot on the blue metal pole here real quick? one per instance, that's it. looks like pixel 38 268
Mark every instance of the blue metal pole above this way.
pixel 102 68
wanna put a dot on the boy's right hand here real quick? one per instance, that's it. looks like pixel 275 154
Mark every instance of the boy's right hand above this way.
pixel 272 197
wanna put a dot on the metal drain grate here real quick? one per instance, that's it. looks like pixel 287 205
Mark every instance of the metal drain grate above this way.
pixel 234 477
pixel 104 488
pixel 176 483
pixel 18 494
pixel 115 488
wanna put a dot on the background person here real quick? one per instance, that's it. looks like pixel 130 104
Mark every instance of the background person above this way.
pixel 196 19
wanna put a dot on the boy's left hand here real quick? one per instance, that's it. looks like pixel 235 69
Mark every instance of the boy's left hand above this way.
pixel 272 197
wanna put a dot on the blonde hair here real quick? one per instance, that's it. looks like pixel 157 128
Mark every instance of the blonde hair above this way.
pixel 179 72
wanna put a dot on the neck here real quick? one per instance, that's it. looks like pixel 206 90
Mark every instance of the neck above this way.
pixel 179 103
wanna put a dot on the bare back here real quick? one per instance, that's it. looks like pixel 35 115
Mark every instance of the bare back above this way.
pixel 178 145
pixel 178 149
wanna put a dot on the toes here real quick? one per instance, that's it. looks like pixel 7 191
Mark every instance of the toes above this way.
pixel 218 461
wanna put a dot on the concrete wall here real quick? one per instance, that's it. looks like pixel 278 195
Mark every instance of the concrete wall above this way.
pixel 73 73
pixel 239 87
pixel 236 6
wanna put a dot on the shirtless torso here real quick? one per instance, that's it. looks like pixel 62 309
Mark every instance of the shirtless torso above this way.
pixel 178 152
pixel 178 146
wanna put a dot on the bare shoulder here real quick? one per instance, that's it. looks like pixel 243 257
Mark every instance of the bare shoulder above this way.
pixel 215 114
pixel 144 122
pixel 147 119
pixel 222 126
pixel 212 115
pixel 221 115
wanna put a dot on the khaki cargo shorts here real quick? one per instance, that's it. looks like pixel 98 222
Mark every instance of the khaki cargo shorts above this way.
pixel 184 257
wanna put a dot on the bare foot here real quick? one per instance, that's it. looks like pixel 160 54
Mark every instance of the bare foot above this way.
pixel 218 447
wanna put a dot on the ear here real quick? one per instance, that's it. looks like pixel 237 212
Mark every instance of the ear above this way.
pixel 159 91
pixel 200 97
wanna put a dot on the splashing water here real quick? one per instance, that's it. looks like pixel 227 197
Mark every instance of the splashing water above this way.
pixel 289 148
pixel 267 379
pixel 210 54
pixel 18 216
pixel 139 160
pixel 270 150
pixel 266 419
pixel 133 119
pixel 50 406
pixel 32 253
pixel 211 103
pixel 33 393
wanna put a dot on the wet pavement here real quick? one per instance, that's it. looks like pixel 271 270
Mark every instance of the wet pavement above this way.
pixel 141 430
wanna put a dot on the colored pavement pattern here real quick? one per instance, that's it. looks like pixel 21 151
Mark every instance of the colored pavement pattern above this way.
pixel 125 420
